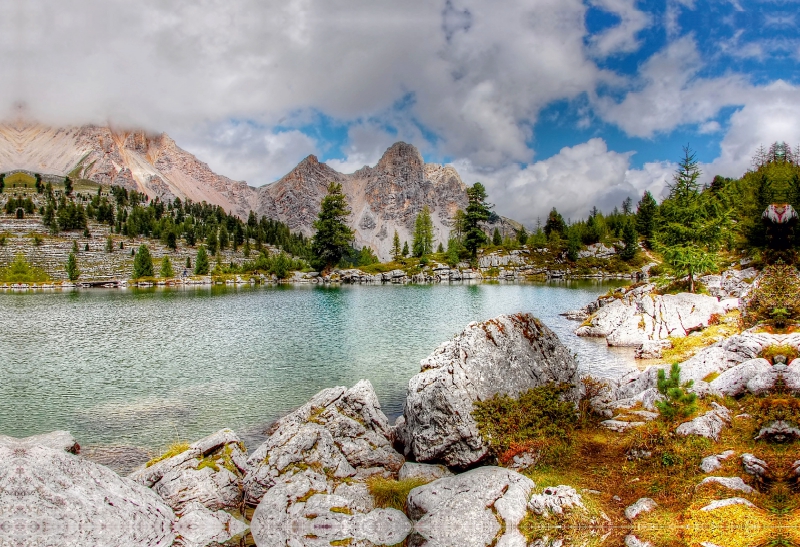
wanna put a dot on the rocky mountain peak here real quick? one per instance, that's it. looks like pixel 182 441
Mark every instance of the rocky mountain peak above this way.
pixel 402 160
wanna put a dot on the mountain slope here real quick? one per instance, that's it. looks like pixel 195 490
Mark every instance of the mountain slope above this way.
pixel 383 198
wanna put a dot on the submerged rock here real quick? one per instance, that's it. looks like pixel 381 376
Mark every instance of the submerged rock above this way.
pixel 51 497
pixel 509 354
pixel 469 509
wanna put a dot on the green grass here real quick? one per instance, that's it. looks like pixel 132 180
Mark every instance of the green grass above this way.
pixel 172 450
pixel 392 493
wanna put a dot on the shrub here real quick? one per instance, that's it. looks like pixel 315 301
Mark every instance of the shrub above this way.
pixel 679 403
pixel 537 417
pixel 19 271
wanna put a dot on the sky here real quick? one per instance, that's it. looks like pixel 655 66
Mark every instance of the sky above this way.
pixel 548 103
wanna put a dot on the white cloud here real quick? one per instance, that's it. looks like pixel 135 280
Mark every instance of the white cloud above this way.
pixel 249 152
pixel 671 94
pixel 774 117
pixel 573 181
pixel 622 37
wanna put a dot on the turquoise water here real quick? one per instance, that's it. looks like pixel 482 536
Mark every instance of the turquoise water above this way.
pixel 148 367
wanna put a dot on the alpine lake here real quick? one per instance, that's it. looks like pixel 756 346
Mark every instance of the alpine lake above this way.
pixel 143 368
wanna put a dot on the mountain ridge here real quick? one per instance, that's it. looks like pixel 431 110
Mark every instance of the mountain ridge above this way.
pixel 383 198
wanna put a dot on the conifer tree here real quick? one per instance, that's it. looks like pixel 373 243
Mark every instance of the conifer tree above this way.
pixel 405 248
pixel 72 267
pixel 497 239
pixel 423 233
pixel 397 251
pixel 201 265
pixel 142 263
pixel 333 237
pixel 166 267
pixel 646 217
pixel 477 211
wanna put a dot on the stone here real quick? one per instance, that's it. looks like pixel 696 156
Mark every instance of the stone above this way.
pixel 651 349
pixel 57 440
pixel 754 466
pixel 508 354
pixel 619 426
pixel 468 509
pixel 425 471
pixel 209 472
pixel 633 541
pixel 317 519
pixel 51 497
pixel 199 526
pixel 717 504
pixel 554 500
pixel 709 464
pixel 642 505
pixel 708 425
pixel 734 381
pixel 731 483
pixel 339 434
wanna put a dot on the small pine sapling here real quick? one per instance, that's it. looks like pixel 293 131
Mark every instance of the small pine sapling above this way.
pixel 678 402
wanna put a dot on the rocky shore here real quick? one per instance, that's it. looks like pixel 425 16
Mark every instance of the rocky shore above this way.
pixel 317 479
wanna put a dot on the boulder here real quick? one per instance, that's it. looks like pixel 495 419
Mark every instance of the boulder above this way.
pixel 633 541
pixel 469 509
pixel 316 520
pixel 734 380
pixel 717 504
pixel 51 497
pixel 712 463
pixel 731 483
pixel 57 440
pixel 642 505
pixel 424 471
pixel 778 431
pixel 340 435
pixel 651 349
pixel 509 354
pixel 755 466
pixel 707 425
pixel 554 500
pixel 199 526
pixel 209 472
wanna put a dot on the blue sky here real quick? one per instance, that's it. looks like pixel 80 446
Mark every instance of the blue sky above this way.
pixel 566 103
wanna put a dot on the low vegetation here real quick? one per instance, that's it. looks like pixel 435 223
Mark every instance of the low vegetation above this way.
pixel 172 450
pixel 392 493
pixel 19 271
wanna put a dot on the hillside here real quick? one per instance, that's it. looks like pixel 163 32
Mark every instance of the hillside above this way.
pixel 383 198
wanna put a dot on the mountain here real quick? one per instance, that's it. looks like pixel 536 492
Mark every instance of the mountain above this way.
pixel 383 198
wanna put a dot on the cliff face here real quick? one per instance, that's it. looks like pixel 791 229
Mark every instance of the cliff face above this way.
pixel 383 198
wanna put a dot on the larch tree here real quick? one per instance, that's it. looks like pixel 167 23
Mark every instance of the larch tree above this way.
pixel 333 237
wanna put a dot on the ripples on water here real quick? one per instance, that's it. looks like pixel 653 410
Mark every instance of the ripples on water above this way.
pixel 149 367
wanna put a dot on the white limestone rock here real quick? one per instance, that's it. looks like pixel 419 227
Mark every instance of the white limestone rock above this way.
pixel 734 381
pixel 51 497
pixel 708 425
pixel 731 483
pixel 554 500
pixel 642 505
pixel 466 509
pixel 424 471
pixel 199 526
pixel 340 433
pixel 509 354
pixel 181 480
pixel 717 504
pixel 709 464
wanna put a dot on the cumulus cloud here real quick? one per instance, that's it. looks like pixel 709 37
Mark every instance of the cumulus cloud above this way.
pixel 671 94
pixel 574 180
pixel 249 152
pixel 621 38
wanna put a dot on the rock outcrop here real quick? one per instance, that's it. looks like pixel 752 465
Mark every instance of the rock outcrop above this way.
pixel 51 497
pixel 638 316
pixel 707 425
pixel 509 354
pixel 209 472
pixel 329 445
pixel 469 509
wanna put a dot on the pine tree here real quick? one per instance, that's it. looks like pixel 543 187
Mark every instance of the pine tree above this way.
pixel 166 268
pixel 497 239
pixel 478 211
pixel 678 402
pixel 397 251
pixel 522 236
pixel 405 249
pixel 646 217
pixel 201 262
pixel 423 233
pixel 142 263
pixel 72 268
pixel 692 224
pixel 333 237
pixel 224 238
pixel 67 186
pixel 555 224
pixel 211 240
pixel 109 245
pixel 631 240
